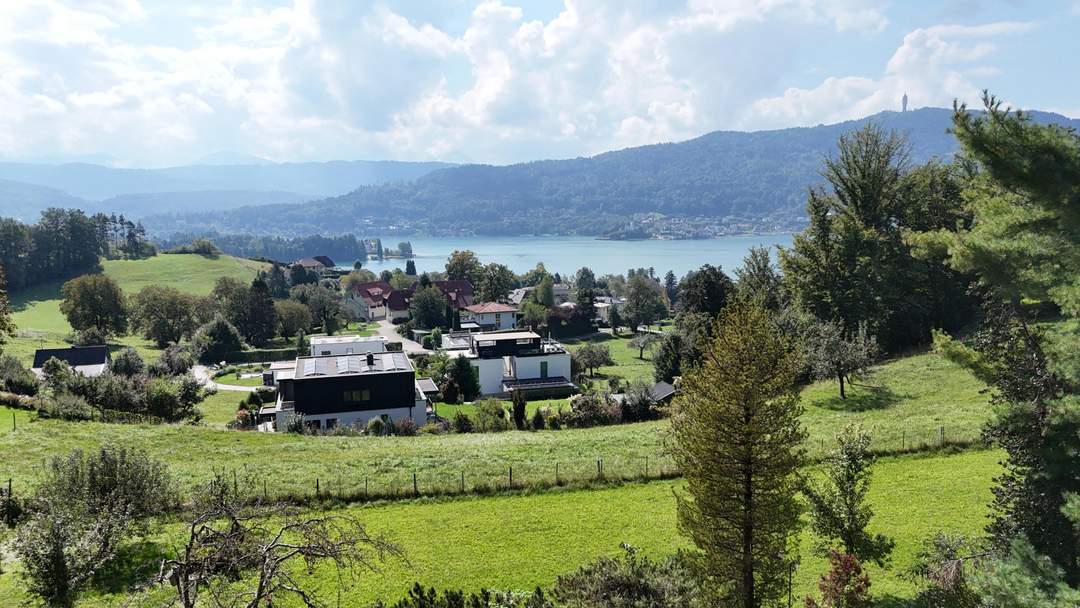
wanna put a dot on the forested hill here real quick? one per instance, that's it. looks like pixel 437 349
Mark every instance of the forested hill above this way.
pixel 732 177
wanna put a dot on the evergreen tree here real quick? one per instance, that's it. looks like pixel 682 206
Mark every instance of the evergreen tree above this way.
pixel 410 268
pixel 585 279
pixel 667 361
pixel 706 290
pixel 465 378
pixel 759 279
pixel 616 319
pixel 671 288
pixel 545 292
pixel 277 282
pixel 259 321
pixel 586 304
pixel 378 249
pixel 839 511
pixel 737 442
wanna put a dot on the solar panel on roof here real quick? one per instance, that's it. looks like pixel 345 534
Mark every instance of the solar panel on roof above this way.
pixel 322 367
pixel 342 365
pixel 400 361
pixel 309 367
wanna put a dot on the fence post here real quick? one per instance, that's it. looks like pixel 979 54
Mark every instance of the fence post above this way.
pixel 316 487
pixel 903 440
pixel 264 489
pixel 942 436
pixel 462 481
pixel 415 489
pixel 511 477
pixel 557 473
pixel 365 487
pixel 646 467
pixel 13 421
pixel 8 513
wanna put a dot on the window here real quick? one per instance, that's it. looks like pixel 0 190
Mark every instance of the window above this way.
pixel 357 396
pixel 543 369
pixel 524 340
pixel 331 423
pixel 498 319
pixel 348 351
pixel 324 352
pixel 313 425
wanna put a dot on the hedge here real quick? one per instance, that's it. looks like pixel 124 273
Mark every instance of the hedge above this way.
pixel 260 355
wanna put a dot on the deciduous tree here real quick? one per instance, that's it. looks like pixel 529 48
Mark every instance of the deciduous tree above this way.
pixel 94 300
pixel 163 314
pixel 427 308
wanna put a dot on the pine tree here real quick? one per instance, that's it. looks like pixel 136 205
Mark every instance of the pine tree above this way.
pixel 737 442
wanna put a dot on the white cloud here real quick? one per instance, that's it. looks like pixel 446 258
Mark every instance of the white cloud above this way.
pixel 933 66
pixel 165 83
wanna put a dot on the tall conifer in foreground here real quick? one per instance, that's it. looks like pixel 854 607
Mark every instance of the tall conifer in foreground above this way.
pixel 737 442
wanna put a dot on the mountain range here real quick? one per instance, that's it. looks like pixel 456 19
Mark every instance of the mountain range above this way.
pixel 718 183
pixel 27 188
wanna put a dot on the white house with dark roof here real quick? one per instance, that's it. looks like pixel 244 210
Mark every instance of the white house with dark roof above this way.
pixel 347 345
pixel 511 361
pixel 490 316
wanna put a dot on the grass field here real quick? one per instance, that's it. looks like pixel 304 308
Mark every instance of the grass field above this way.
pixel 519 542
pixel 41 325
pixel 627 365
pixel 915 397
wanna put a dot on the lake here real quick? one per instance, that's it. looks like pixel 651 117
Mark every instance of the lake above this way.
pixel 566 254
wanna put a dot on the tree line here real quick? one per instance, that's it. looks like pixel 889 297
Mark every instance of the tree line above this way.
pixel 65 243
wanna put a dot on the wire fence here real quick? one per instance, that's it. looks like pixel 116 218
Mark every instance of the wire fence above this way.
pixel 399 481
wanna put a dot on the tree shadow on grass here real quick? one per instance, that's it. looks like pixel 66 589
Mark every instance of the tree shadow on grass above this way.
pixel 135 563
pixel 891 601
pixel 865 399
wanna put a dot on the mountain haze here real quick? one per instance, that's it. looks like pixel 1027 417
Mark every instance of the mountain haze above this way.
pixel 741 178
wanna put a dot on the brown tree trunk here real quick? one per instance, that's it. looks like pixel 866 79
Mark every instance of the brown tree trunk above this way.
pixel 840 377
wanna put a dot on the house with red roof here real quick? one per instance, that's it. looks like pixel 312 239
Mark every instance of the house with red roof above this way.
pixel 368 301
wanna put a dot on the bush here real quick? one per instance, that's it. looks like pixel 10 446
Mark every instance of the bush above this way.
pixel 433 428
pixel 91 336
pixel 491 416
pixel 637 403
pixel 405 427
pixel 591 410
pixel 174 399
pixel 845 585
pixel 450 391
pixel 81 512
pixel 520 406
pixel 427 343
pixel 629 581
pixel 419 597
pixel 128 362
pixel 65 406
pixel 174 361
pixel 462 423
pixel 212 341
pixel 538 422
pixel 377 427
pixel 14 378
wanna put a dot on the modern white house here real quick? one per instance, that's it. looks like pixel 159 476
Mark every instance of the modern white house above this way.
pixel 512 361
pixel 347 345
pixel 331 391
pixel 490 316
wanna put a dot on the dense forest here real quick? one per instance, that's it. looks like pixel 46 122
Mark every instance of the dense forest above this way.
pixel 758 178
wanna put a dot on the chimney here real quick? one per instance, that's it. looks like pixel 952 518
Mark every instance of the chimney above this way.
pixel 371 359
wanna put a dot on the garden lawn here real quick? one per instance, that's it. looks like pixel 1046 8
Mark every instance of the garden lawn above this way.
pixel 519 542
pixel 915 397
pixel 40 323
pixel 627 364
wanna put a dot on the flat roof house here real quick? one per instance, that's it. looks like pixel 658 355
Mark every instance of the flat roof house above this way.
pixel 347 345
pixel 89 361
pixel 512 361
pixel 332 391
pixel 489 316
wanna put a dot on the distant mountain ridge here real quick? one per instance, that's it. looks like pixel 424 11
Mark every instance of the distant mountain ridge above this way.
pixel 190 188
pixel 742 178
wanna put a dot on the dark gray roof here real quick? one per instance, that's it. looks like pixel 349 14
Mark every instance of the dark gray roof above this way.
pixel 427 385
pixel 661 391
pixel 330 366
pixel 75 356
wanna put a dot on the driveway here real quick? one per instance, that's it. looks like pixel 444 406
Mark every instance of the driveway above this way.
pixel 203 375
pixel 389 330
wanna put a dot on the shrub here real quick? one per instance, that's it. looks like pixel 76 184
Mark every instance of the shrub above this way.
pixel 128 362
pixel 629 581
pixel 65 406
pixel 433 428
pixel 466 377
pixel 462 423
pixel 174 361
pixel 174 399
pixel 212 341
pixel 491 416
pixel 520 404
pixel 405 427
pixel 427 343
pixel 419 597
pixel 538 422
pixel 845 585
pixel 80 513
pixel 637 403
pixel 377 427
pixel 450 391
pixel 597 409
pixel 14 378
pixel 91 336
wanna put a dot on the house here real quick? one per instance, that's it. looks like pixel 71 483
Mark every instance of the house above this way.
pixel 507 362
pixel 428 387
pixel 368 301
pixel 318 263
pixel 397 306
pixel 347 345
pixel 489 316
pixel 89 361
pixel 459 294
pixel 560 291
pixel 278 370
pixel 350 390
pixel 604 306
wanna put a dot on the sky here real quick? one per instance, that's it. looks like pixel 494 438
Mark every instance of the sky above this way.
pixel 158 82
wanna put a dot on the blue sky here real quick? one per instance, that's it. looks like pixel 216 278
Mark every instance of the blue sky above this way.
pixel 154 82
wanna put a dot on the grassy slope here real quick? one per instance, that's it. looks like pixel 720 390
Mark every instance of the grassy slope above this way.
pixel 41 325
pixel 627 364
pixel 518 542
pixel 922 392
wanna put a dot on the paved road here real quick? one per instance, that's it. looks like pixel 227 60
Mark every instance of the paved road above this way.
pixel 203 375
pixel 388 329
